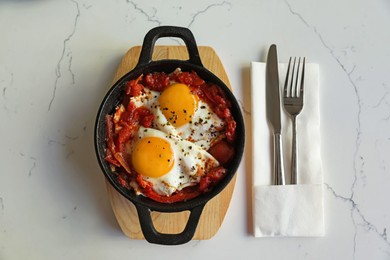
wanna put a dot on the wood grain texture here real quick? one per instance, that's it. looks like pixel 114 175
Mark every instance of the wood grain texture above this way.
pixel 172 223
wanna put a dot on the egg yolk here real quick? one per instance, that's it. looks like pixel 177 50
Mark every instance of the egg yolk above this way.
pixel 152 157
pixel 178 104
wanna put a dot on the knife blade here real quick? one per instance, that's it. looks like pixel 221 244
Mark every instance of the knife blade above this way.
pixel 273 112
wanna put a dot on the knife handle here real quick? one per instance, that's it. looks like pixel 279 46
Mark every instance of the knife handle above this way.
pixel 278 160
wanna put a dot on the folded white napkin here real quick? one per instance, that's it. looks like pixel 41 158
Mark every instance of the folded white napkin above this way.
pixel 289 210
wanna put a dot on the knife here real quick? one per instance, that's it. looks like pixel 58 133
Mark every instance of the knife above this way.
pixel 273 112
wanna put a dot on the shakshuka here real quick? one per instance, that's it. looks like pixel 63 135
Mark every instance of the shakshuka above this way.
pixel 171 136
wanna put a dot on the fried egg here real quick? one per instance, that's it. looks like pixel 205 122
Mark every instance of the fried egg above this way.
pixel 168 162
pixel 181 113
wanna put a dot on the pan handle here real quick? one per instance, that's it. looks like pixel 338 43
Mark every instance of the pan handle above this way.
pixel 169 31
pixel 153 236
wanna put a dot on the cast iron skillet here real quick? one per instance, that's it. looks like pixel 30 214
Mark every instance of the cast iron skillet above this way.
pixel 145 205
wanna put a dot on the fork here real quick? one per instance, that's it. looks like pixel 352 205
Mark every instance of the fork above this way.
pixel 293 104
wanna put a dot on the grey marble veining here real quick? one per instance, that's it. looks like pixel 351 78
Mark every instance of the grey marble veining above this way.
pixel 58 58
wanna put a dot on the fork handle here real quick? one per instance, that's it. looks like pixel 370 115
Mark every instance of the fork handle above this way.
pixel 278 160
pixel 294 155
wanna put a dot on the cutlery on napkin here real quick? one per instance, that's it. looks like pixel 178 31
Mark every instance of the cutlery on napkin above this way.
pixel 289 210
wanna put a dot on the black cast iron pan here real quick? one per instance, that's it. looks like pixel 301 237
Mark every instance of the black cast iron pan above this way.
pixel 145 205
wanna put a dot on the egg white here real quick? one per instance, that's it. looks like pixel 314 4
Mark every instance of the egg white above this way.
pixel 190 162
pixel 204 129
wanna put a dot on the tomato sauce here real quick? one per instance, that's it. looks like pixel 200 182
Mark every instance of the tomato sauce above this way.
pixel 123 124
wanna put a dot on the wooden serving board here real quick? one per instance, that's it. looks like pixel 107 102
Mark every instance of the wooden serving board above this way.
pixel 172 223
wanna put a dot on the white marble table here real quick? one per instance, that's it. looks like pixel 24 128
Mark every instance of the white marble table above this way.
pixel 57 60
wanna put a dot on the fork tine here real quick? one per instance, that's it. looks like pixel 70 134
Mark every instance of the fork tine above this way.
pixel 296 90
pixel 302 78
pixel 285 92
pixel 292 78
